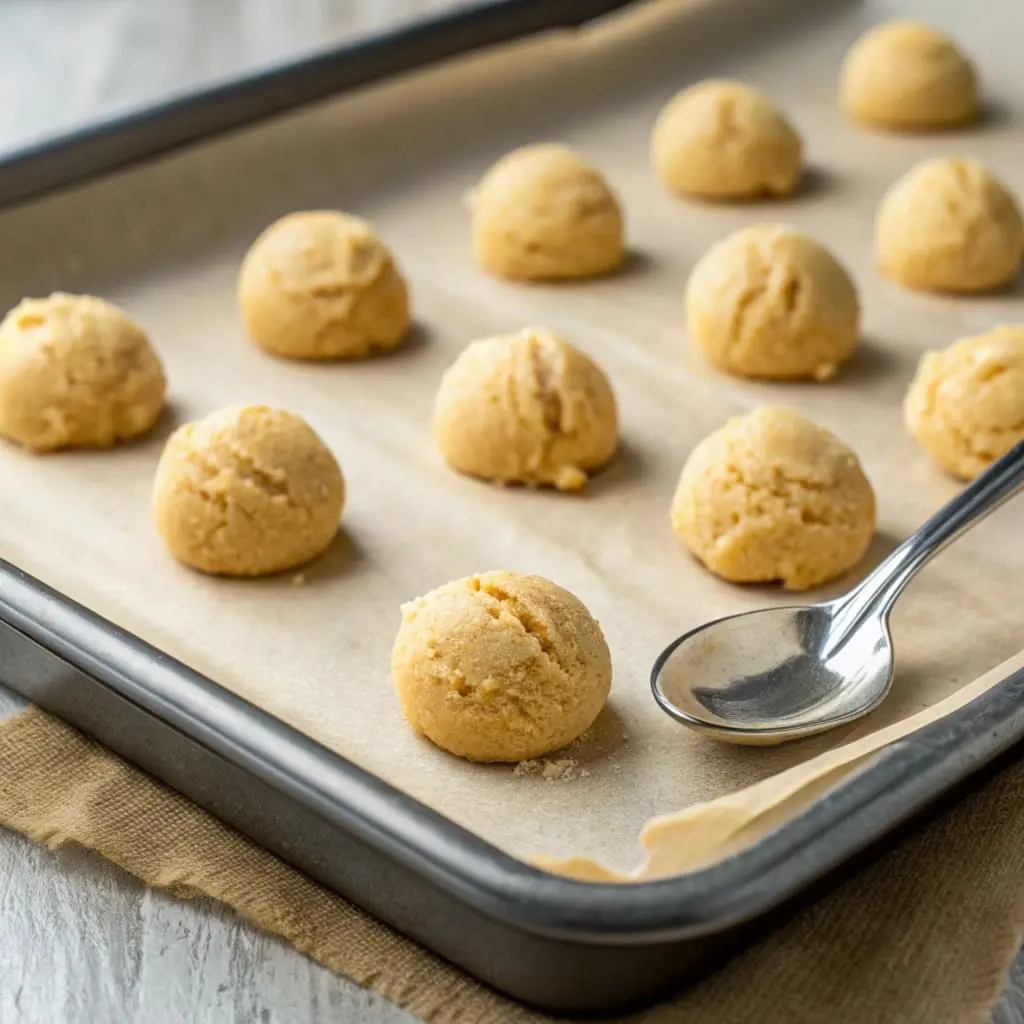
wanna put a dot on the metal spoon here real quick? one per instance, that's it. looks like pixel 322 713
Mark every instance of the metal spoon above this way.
pixel 779 673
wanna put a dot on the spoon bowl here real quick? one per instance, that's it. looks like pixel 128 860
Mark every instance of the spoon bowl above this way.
pixel 780 673
pixel 771 675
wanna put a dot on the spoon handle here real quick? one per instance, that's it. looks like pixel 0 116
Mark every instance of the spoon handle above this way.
pixel 878 592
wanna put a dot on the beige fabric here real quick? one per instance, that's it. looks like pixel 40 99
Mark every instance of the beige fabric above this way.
pixel 925 934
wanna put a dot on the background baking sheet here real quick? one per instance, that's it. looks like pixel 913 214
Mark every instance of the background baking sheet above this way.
pixel 165 241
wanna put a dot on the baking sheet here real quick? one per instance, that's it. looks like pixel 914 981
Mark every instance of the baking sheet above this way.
pixel 165 242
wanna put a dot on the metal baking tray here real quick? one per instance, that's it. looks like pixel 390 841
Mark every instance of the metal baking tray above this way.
pixel 554 942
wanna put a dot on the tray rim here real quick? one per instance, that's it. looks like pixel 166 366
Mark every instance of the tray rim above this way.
pixel 892 787
pixel 154 129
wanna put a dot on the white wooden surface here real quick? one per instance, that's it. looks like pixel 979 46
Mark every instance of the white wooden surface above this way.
pixel 79 940
pixel 66 62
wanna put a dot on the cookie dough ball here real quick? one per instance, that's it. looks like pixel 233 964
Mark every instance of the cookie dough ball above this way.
pixel 772 496
pixel 966 404
pixel 725 140
pixel 75 372
pixel 949 225
pixel 500 667
pixel 771 302
pixel 526 408
pixel 543 213
pixel 322 285
pixel 247 491
pixel 906 75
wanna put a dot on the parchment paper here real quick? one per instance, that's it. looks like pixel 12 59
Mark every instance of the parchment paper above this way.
pixel 165 241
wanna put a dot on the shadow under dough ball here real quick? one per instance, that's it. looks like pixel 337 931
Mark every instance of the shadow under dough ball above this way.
pixel 75 372
pixel 543 213
pixel 247 491
pixel 949 225
pixel 526 408
pixel 500 667
pixel 770 302
pixel 966 403
pixel 772 496
pixel 725 140
pixel 322 285
pixel 907 75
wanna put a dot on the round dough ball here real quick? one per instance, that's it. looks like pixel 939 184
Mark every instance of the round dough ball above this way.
pixel 75 372
pixel 500 667
pixel 771 302
pixel 949 225
pixel 903 74
pixel 543 213
pixel 772 496
pixel 966 404
pixel 725 140
pixel 526 408
pixel 247 491
pixel 322 285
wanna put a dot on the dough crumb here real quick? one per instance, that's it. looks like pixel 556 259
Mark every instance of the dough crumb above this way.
pixel 565 769
pixel 299 579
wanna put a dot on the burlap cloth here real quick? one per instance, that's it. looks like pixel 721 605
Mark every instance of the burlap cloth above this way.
pixel 924 934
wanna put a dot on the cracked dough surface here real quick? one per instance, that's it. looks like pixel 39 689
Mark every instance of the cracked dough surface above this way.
pixel 247 491
pixel 966 403
pixel 321 285
pixel 500 667
pixel 949 225
pixel 76 372
pixel 526 408
pixel 772 496
pixel 724 139
pixel 543 213
pixel 904 74
pixel 770 302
